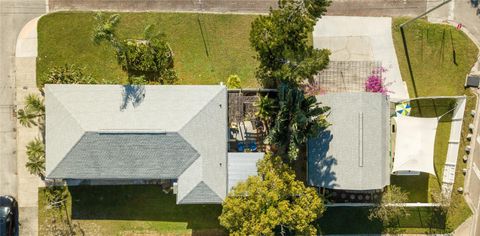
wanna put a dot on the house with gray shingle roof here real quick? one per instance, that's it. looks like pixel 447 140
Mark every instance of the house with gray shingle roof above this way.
pixel 354 152
pixel 115 132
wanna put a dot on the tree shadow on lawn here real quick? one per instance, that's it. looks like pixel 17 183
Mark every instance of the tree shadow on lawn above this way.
pixel 433 108
pixel 415 185
pixel 140 203
pixel 354 220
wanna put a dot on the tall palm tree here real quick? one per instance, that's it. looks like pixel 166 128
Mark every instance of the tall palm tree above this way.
pixel 33 113
pixel 298 118
pixel 36 158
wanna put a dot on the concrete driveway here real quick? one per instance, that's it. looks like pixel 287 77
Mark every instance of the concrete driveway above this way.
pixel 362 39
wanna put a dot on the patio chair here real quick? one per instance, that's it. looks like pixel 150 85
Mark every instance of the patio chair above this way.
pixel 242 132
pixel 240 147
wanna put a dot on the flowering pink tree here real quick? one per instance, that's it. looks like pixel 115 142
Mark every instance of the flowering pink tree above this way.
pixel 375 82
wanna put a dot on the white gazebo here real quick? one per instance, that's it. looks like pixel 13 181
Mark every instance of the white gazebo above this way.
pixel 414 145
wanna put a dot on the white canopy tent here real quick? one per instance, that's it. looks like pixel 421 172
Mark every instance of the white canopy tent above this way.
pixel 414 144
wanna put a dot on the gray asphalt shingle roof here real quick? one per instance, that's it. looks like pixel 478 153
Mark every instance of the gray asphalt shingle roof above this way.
pixel 135 131
pixel 127 156
pixel 353 153
pixel 201 194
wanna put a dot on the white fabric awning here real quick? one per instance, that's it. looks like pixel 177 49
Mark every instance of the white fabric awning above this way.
pixel 414 144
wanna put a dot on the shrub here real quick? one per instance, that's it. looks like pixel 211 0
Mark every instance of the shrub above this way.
pixel 68 74
pixel 375 82
pixel 233 82
pixel 150 58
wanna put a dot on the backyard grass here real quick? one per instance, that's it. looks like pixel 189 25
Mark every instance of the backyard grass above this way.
pixel 438 70
pixel 207 47
pixel 441 57
pixel 124 210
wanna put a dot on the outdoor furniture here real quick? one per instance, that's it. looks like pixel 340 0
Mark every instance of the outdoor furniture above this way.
pixel 242 132
pixel 253 147
pixel 240 147
pixel 403 109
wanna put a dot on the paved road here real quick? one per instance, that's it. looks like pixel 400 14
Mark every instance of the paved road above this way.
pixel 13 15
pixel 339 7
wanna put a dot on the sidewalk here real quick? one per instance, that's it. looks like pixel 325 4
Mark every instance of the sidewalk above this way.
pixel 25 63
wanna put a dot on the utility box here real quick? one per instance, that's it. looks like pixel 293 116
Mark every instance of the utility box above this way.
pixel 472 81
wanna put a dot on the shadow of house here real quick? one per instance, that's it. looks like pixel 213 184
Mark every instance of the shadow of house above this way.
pixel 141 203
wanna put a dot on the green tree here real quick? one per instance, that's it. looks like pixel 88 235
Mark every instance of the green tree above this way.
pixel 104 28
pixel 298 119
pixel 36 158
pixel 266 109
pixel 33 113
pixel 271 202
pixel 391 207
pixel 281 42
pixel 233 82
pixel 150 57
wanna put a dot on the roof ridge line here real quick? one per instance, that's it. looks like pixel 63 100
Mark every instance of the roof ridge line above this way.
pixel 63 158
pixel 197 185
pixel 203 108
pixel 68 111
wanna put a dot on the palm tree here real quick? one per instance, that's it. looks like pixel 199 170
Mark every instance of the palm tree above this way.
pixel 298 118
pixel 33 112
pixel 36 158
pixel 266 109
pixel 105 28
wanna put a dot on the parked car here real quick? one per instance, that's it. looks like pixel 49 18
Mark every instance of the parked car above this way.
pixel 8 216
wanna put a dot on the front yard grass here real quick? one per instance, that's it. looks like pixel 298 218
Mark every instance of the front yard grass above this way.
pixel 438 71
pixel 130 210
pixel 207 47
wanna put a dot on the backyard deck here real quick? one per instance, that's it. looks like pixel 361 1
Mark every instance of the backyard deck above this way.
pixel 246 131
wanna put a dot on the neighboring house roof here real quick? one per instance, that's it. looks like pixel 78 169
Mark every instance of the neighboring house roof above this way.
pixel 140 132
pixel 353 153
pixel 241 165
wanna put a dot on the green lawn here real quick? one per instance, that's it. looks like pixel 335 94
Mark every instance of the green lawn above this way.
pixel 420 187
pixel 441 57
pixel 354 220
pixel 436 73
pixel 207 47
pixel 120 210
